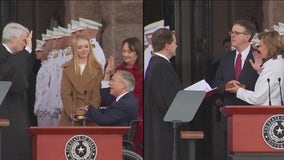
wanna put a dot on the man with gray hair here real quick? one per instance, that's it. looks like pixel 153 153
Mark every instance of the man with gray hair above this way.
pixel 122 103
pixel 14 53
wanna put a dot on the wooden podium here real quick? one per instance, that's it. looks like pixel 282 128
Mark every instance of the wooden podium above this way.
pixel 59 143
pixel 252 131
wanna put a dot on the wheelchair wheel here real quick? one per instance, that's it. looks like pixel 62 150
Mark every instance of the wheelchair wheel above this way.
pixel 130 155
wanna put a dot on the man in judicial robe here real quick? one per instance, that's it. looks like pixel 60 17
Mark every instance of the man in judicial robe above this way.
pixel 161 85
pixel 14 53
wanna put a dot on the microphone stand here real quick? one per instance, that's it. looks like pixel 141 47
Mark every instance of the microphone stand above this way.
pixel 175 126
pixel 84 116
pixel 268 80
pixel 72 110
pixel 279 79
pixel 81 114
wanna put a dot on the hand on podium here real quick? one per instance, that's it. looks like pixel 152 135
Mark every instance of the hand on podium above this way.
pixel 81 113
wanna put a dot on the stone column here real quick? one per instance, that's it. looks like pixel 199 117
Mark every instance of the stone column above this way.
pixel 272 13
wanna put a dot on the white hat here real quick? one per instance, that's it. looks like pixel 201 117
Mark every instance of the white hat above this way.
pixel 145 41
pixel 57 32
pixel 39 45
pixel 65 31
pixel 167 27
pixel 275 28
pixel 255 40
pixel 87 23
pixel 69 26
pixel 51 34
pixel 280 24
pixel 266 30
pixel 45 37
pixel 151 28
pixel 281 28
pixel 75 26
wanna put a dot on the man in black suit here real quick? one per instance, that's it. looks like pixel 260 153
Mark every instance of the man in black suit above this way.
pixel 14 53
pixel 124 104
pixel 160 87
pixel 241 34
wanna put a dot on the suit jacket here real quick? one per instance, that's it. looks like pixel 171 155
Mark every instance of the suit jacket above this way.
pixel 77 90
pixel 119 113
pixel 138 89
pixel 226 72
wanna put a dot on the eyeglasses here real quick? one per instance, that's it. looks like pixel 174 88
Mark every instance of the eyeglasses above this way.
pixel 236 33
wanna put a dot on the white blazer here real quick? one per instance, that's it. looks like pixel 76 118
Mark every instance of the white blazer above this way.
pixel 273 69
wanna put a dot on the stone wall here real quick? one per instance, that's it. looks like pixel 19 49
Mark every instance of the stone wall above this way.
pixel 273 13
pixel 120 19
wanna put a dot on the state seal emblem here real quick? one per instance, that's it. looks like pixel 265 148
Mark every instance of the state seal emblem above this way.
pixel 80 147
pixel 273 131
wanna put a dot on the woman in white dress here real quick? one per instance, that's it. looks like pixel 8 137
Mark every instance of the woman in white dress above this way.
pixel 269 63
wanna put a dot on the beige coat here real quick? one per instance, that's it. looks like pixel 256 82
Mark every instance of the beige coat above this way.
pixel 84 89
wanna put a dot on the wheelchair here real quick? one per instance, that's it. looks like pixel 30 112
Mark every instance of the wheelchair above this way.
pixel 128 145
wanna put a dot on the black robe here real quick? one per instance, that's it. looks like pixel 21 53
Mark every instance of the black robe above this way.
pixel 16 141
pixel 161 85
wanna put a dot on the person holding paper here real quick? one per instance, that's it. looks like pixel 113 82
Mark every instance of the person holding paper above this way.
pixel 160 87
pixel 269 85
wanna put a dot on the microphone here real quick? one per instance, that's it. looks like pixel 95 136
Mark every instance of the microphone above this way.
pixel 279 80
pixel 268 81
pixel 72 109
pixel 85 93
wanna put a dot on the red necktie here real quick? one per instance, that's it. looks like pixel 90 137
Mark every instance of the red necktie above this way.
pixel 238 66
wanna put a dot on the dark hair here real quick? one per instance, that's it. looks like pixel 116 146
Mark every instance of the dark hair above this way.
pixel 250 28
pixel 136 46
pixel 160 38
pixel 228 39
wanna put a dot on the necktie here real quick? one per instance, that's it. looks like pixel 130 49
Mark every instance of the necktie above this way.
pixel 238 66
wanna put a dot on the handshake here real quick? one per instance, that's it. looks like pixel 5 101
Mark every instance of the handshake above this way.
pixel 233 86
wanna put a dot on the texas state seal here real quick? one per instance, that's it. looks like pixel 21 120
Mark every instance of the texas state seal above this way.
pixel 80 147
pixel 273 131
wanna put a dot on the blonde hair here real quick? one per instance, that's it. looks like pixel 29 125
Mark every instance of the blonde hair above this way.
pixel 272 40
pixel 91 58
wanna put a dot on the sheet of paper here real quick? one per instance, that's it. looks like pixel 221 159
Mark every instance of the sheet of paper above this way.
pixel 199 86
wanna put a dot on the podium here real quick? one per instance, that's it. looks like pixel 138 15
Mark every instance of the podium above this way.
pixel 183 109
pixel 86 142
pixel 255 132
pixel 4 88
